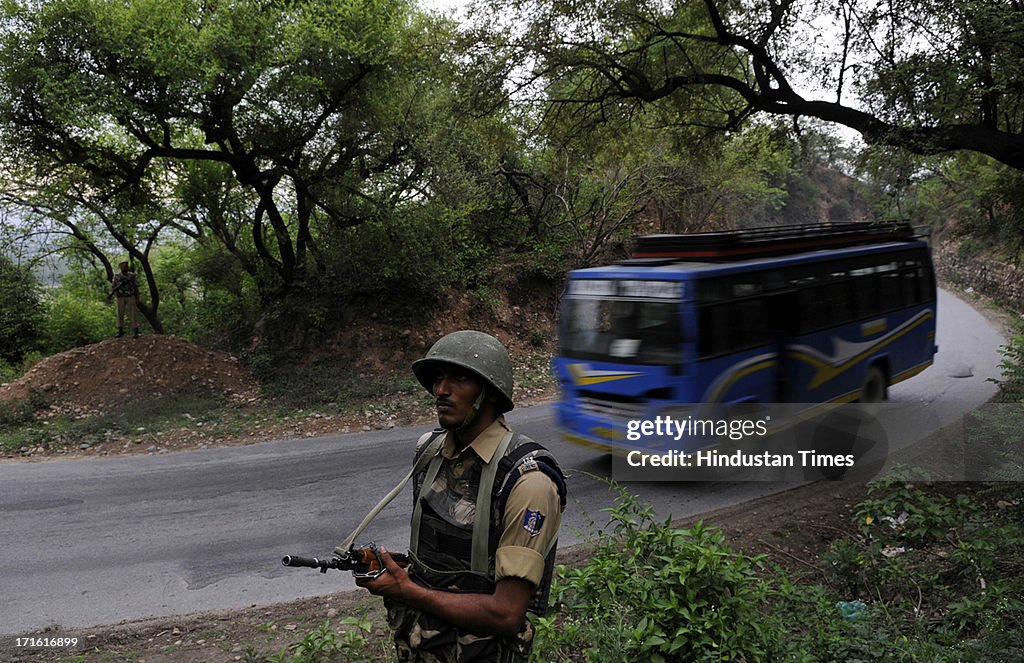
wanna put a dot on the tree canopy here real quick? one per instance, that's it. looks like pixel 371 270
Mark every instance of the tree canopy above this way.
pixel 923 75
pixel 272 116
pixel 252 153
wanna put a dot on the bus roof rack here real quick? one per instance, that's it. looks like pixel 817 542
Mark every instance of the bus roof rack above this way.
pixel 766 241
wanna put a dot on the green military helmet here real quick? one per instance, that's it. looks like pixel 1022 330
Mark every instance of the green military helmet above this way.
pixel 474 350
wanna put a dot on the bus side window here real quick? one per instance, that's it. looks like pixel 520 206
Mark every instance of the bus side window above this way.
pixel 824 305
pixel 912 291
pixel 865 296
pixel 837 300
pixel 705 331
pixel 733 326
pixel 713 330
pixel 810 309
pixel 750 322
pixel 781 313
pixel 928 283
pixel 890 295
pixel 918 279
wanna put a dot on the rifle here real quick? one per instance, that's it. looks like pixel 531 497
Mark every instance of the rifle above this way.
pixel 363 562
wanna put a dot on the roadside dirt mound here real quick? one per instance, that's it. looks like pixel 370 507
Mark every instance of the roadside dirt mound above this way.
pixel 118 371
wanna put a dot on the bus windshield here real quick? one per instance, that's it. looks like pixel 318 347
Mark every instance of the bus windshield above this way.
pixel 621 330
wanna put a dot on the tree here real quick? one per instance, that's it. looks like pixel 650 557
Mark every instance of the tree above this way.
pixel 292 105
pixel 597 186
pixel 923 75
pixel 965 197
pixel 20 310
pixel 100 229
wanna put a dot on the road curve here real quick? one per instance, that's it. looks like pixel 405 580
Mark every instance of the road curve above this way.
pixel 99 541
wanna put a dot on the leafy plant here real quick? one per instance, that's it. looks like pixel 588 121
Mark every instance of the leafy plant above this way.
pixel 20 317
pixel 901 511
pixel 1011 385
pixel 325 645
pixel 659 593
pixel 844 563
pixel 13 413
pixel 74 320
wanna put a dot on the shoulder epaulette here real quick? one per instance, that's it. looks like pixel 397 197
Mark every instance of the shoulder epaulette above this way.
pixel 522 460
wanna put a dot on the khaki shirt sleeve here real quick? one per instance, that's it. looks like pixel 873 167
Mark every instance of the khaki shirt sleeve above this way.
pixel 525 536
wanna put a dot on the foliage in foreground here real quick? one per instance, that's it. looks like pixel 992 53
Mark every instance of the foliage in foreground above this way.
pixel 324 644
pixel 1011 386
pixel 658 593
pixel 935 574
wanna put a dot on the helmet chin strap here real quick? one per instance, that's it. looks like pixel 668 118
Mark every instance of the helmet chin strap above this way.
pixel 471 417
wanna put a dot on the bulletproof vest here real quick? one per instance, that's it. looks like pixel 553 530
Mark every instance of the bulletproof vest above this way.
pixel 450 553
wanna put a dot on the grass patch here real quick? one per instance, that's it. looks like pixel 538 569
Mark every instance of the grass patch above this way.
pixel 325 644
pixel 348 639
pixel 24 423
pixel 15 413
pixel 313 386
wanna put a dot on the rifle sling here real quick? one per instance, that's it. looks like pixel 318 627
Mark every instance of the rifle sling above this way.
pixel 432 449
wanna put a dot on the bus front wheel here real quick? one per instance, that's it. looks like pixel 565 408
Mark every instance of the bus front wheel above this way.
pixel 875 387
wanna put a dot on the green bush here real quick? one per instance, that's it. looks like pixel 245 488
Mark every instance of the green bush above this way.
pixel 20 318
pixel 8 371
pixel 73 320
pixel 16 413
pixel 934 575
pixel 413 256
pixel 657 593
pixel 324 644
pixel 940 566
pixel 901 512
pixel 1011 385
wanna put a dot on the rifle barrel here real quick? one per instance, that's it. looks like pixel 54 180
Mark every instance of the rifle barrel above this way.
pixel 311 562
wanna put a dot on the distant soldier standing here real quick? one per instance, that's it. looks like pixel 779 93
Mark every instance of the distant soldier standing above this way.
pixel 126 288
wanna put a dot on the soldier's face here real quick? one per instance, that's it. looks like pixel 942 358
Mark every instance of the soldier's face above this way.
pixel 455 391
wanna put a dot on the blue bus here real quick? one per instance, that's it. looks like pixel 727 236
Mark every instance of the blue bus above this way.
pixel 822 313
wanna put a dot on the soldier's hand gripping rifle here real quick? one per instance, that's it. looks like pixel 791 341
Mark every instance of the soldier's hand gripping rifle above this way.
pixel 363 562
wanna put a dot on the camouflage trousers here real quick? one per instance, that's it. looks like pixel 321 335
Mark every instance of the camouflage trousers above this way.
pixel 423 638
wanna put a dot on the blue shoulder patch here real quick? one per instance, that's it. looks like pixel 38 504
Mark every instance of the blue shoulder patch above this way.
pixel 533 521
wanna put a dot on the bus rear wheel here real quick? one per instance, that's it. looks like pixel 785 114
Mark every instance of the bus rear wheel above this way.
pixel 875 388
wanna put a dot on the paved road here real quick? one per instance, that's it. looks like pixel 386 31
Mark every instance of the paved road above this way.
pixel 89 542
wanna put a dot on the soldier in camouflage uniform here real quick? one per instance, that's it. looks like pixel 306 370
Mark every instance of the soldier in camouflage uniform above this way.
pixel 487 508
pixel 125 286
